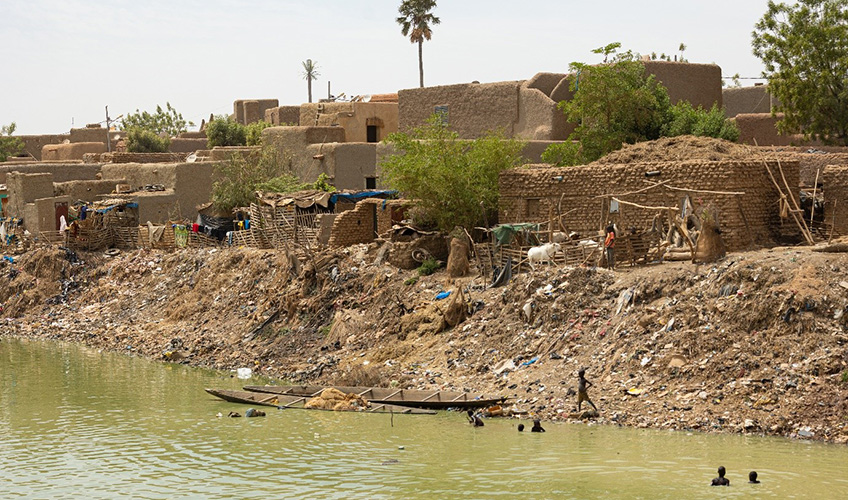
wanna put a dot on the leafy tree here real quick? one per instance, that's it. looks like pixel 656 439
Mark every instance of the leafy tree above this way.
pixel 253 132
pixel 684 119
pixel 614 103
pixel 222 131
pixel 140 140
pixel 164 121
pixel 9 145
pixel 454 182
pixel 618 103
pixel 415 19
pixel 804 47
pixel 310 72
pixel 238 178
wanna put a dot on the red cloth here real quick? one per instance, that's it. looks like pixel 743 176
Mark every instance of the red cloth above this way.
pixel 610 241
pixel 195 228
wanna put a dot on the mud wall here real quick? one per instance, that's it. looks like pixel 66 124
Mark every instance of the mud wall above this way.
pixel 353 117
pixel 26 188
pixel 86 190
pixel 355 226
pixel 247 111
pixel 835 179
pixel 761 128
pixel 33 144
pixel 283 115
pixel 472 108
pixel 72 151
pixel 528 194
pixel 700 84
pixel 745 100
pixel 61 171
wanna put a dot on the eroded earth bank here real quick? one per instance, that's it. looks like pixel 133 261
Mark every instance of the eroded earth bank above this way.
pixel 755 343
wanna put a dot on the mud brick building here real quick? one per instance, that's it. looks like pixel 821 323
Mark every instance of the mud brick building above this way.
pixel 747 220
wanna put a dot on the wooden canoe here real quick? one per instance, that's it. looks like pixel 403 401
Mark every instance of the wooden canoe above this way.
pixel 284 401
pixel 436 400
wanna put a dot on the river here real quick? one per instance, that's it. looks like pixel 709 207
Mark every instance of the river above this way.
pixel 80 423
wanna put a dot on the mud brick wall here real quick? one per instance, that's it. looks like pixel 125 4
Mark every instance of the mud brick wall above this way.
pixel 148 157
pixel 753 219
pixel 700 84
pixel 835 179
pixel 389 211
pixel 355 226
pixel 747 100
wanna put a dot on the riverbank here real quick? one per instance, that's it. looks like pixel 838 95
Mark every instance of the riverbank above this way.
pixel 753 344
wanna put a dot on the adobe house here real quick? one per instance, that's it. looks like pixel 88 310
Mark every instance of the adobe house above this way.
pixel 527 109
pixel 747 220
pixel 362 121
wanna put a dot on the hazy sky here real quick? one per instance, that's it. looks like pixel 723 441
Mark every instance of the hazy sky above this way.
pixel 63 61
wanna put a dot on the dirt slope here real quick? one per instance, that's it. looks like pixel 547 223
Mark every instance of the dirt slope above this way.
pixel 755 343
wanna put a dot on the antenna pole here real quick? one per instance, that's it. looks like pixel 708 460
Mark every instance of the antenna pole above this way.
pixel 108 139
pixel 329 95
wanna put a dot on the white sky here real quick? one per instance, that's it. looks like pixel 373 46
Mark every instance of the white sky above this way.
pixel 63 61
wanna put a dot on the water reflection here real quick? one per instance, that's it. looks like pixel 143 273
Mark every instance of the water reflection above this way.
pixel 81 423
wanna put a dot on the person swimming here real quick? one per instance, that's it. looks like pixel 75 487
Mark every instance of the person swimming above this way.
pixel 474 419
pixel 520 427
pixel 537 426
pixel 720 480
pixel 752 477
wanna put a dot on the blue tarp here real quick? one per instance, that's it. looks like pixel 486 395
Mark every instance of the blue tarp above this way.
pixel 354 197
pixel 107 209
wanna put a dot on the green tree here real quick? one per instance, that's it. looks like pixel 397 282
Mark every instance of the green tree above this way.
pixel 453 182
pixel 9 145
pixel 222 131
pixel 804 47
pixel 614 103
pixel 310 72
pixel 415 19
pixel 140 140
pixel 164 121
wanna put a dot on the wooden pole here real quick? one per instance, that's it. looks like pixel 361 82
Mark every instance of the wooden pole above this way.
pixel 815 185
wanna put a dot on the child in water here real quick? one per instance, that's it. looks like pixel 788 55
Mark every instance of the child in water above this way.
pixel 537 426
pixel 720 480
pixel 474 419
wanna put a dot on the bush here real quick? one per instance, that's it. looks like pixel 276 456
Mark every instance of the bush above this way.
pixel 9 146
pixel 687 120
pixel 253 132
pixel 225 132
pixel 141 140
pixel 429 266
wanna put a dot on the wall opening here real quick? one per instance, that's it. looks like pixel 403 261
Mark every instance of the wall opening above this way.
pixel 370 183
pixel 371 133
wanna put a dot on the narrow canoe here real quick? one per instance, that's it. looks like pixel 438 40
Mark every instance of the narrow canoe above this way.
pixel 297 402
pixel 436 400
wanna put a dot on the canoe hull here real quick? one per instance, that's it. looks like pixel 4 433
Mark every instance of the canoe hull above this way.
pixel 435 400
pixel 284 401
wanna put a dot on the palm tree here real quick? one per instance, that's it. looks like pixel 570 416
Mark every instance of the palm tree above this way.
pixel 310 72
pixel 415 20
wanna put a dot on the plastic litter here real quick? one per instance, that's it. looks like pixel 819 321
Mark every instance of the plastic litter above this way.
pixel 530 362
pixel 442 295
pixel 244 373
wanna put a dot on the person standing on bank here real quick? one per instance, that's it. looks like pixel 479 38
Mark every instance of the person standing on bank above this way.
pixel 609 246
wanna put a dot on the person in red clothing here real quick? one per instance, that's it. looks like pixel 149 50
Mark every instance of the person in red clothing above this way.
pixel 609 246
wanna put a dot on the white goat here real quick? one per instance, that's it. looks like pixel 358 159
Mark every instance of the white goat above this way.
pixel 544 253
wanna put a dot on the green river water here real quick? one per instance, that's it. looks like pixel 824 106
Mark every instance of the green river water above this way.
pixel 79 423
